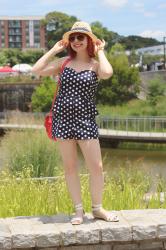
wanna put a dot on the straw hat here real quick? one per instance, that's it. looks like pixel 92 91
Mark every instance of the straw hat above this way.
pixel 81 27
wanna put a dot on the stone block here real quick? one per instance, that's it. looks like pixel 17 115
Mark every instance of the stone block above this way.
pixel 162 232
pixel 46 235
pixel 151 245
pixel 5 236
pixel 21 233
pixel 143 226
pixel 88 247
pixel 131 246
pixel 115 231
pixel 87 233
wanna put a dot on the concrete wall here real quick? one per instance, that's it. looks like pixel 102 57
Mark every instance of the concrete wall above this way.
pixel 136 230
pixel 16 96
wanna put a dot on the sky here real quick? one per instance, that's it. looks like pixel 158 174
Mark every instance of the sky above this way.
pixel 146 18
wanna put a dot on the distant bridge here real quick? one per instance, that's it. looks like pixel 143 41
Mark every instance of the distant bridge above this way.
pixel 113 129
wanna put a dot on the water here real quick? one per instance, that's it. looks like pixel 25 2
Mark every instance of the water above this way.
pixel 152 162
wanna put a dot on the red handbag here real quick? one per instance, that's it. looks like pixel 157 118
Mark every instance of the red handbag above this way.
pixel 48 117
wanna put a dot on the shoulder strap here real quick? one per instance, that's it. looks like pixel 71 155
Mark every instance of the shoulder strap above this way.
pixel 58 84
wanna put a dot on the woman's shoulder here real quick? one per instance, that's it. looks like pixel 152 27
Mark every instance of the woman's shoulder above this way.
pixel 58 62
pixel 94 64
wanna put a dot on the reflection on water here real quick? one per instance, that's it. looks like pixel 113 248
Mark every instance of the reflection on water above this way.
pixel 153 163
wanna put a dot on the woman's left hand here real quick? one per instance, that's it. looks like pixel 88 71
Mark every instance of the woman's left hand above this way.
pixel 99 45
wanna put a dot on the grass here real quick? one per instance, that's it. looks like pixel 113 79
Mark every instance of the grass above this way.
pixel 27 196
pixel 31 148
pixel 18 117
pixel 31 154
pixel 135 107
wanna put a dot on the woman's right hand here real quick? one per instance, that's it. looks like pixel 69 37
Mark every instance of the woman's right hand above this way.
pixel 60 46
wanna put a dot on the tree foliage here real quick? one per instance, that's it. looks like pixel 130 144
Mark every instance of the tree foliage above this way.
pixel 43 95
pixel 124 84
pixel 57 23
pixel 136 42
pixel 156 89
pixel 17 56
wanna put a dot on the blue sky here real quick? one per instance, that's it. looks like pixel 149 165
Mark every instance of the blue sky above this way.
pixel 126 17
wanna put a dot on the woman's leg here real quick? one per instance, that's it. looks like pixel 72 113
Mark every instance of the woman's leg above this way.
pixel 92 154
pixel 68 150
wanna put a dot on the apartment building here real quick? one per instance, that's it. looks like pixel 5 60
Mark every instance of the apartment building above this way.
pixel 24 32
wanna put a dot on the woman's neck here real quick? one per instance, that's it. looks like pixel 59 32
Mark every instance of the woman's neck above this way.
pixel 83 57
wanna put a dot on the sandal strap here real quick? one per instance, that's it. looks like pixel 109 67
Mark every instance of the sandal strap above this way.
pixel 78 206
pixel 96 207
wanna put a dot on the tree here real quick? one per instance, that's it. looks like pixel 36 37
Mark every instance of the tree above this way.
pixel 43 95
pixel 17 56
pixel 57 24
pixel 103 33
pixel 124 84
pixel 156 89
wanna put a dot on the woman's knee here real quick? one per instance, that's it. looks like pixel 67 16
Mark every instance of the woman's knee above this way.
pixel 96 168
pixel 70 167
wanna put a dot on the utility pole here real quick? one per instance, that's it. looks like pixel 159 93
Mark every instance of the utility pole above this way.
pixel 164 38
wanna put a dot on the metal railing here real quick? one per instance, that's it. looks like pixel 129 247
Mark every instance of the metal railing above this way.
pixel 137 124
pixel 118 123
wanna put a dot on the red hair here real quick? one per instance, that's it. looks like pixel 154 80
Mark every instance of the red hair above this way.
pixel 90 48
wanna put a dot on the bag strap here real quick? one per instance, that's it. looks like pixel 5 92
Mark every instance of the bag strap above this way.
pixel 59 82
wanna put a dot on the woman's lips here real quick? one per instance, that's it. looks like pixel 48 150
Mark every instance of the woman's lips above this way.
pixel 77 45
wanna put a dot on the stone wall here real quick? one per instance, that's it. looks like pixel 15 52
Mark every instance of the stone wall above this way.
pixel 16 96
pixel 136 230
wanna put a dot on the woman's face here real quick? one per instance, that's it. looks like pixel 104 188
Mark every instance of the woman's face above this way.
pixel 78 41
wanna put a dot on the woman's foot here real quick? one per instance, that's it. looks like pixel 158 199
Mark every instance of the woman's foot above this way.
pixel 100 213
pixel 78 217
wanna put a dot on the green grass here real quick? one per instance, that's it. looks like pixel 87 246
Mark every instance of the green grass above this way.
pixel 135 108
pixel 32 154
pixel 31 149
pixel 26 196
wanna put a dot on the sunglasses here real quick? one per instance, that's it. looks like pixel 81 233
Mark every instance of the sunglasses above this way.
pixel 79 37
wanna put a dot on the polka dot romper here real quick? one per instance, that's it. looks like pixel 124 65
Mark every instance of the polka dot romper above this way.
pixel 74 110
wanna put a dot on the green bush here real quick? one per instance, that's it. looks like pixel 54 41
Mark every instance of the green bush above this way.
pixel 43 95
pixel 156 89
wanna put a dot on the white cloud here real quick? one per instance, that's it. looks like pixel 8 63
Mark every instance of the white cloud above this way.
pixel 162 6
pixel 158 34
pixel 115 4
pixel 139 7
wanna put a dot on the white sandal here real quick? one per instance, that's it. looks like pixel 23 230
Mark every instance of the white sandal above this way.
pixel 77 220
pixel 110 217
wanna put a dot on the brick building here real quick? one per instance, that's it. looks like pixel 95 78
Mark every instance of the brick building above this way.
pixel 24 32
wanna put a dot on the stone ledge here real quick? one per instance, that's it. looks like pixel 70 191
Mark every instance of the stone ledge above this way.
pixel 136 229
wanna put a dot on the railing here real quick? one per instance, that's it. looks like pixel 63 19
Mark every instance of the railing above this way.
pixel 137 124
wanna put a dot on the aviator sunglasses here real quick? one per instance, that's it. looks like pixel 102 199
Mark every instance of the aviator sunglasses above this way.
pixel 80 37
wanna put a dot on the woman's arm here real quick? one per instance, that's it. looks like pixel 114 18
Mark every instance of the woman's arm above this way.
pixel 44 66
pixel 105 69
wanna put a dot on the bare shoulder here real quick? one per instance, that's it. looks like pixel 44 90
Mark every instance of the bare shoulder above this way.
pixel 95 64
pixel 58 62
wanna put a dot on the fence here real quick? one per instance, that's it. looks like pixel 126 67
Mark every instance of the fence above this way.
pixel 138 124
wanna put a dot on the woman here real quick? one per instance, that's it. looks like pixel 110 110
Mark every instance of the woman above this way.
pixel 75 111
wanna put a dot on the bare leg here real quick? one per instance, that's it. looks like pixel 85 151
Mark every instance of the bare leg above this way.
pixel 68 150
pixel 92 154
